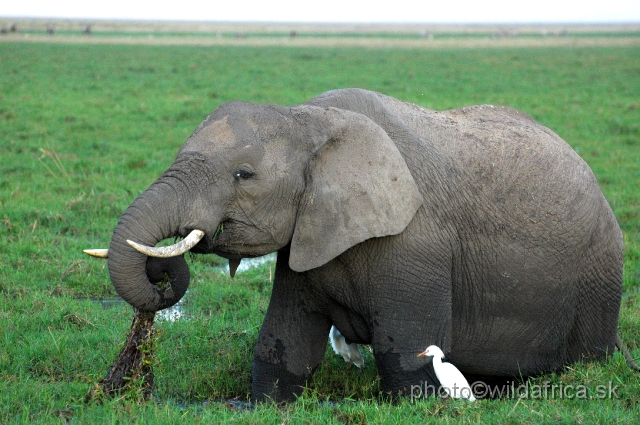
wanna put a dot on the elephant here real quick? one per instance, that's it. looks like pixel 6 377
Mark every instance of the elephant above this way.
pixel 474 229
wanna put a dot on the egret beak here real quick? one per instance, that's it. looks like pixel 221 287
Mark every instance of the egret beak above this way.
pixel 424 353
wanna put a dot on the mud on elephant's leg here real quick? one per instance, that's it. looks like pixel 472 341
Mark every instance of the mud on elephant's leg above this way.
pixel 287 353
pixel 401 371
pixel 291 343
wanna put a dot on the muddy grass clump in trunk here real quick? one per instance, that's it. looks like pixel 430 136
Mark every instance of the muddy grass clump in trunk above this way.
pixel 131 375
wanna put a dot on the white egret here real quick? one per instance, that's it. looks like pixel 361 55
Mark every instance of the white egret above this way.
pixel 349 352
pixel 451 379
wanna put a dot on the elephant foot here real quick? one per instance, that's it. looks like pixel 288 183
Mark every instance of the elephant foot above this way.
pixel 395 382
pixel 272 382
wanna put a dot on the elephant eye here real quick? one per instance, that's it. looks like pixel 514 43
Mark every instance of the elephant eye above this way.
pixel 242 175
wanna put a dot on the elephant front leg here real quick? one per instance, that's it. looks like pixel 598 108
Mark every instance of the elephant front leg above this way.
pixel 291 343
pixel 287 353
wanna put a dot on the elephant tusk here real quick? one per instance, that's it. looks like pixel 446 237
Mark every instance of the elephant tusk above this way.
pixel 170 251
pixel 98 253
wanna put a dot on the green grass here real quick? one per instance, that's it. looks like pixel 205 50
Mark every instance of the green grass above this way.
pixel 84 129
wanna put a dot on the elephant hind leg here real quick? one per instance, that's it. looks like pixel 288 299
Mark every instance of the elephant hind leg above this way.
pixel 599 292
pixel 397 381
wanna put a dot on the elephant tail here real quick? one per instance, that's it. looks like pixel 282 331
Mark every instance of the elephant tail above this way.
pixel 627 355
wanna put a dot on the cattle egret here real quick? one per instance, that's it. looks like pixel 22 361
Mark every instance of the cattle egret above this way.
pixel 451 379
pixel 349 352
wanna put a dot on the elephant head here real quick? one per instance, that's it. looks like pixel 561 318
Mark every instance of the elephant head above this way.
pixel 253 179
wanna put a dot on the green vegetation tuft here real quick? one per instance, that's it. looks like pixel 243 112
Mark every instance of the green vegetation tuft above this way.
pixel 85 128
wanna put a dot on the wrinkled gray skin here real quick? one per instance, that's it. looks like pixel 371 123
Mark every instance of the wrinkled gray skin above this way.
pixel 476 230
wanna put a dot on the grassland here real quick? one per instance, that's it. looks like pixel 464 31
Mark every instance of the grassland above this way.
pixel 414 36
pixel 84 128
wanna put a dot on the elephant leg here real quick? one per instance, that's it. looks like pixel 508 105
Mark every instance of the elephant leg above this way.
pixel 412 316
pixel 401 371
pixel 594 330
pixel 401 334
pixel 292 340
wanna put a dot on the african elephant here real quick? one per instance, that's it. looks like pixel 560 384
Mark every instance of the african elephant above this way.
pixel 475 229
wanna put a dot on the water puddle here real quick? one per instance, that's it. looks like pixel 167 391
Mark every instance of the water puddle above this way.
pixel 175 313
pixel 171 314
pixel 234 404
pixel 110 303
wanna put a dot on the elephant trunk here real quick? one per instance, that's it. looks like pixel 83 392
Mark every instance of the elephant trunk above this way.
pixel 147 283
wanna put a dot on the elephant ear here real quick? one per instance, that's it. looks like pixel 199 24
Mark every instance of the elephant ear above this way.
pixel 358 187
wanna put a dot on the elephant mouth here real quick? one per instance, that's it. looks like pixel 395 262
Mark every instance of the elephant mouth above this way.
pixel 225 242
pixel 205 246
pixel 234 255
